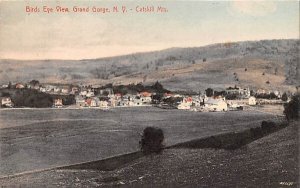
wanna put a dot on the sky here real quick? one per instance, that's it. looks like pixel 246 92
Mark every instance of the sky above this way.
pixel 94 35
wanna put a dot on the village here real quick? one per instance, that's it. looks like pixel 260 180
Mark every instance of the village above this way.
pixel 230 99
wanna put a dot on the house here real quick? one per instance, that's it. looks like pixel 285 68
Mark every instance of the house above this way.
pixel 177 96
pixel 4 86
pixel 128 97
pixel 56 90
pixel 168 95
pixel 124 102
pixel 19 86
pixel 113 101
pixel 277 94
pixel 58 103
pixel 75 90
pixel 137 102
pixel 83 93
pixel 145 94
pixel 36 87
pixel 118 95
pixel 49 87
pixel 244 93
pixel 80 101
pixel 65 90
pixel 90 94
pixel 145 97
pixel 185 104
pixel 6 102
pixel 196 101
pixel 94 102
pixel 146 100
pixel 116 100
pixel 42 89
pixel 261 91
pixel 252 101
pixel 216 104
pixel 88 102
pixel 103 104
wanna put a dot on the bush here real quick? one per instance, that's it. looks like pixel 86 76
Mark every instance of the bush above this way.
pixel 152 140
pixel 291 109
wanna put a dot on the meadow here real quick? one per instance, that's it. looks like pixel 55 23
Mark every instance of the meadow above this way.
pixel 35 139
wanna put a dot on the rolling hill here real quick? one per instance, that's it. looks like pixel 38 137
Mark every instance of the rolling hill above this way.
pixel 269 64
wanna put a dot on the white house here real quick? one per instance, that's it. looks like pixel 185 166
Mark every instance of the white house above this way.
pixel 83 93
pixel 103 104
pixel 56 90
pixel 4 86
pixel 49 87
pixel 58 103
pixel 146 99
pixel 252 100
pixel 136 102
pixel 7 102
pixel 65 91
pixel 216 105
pixel 90 94
pixel 124 102
pixel 42 89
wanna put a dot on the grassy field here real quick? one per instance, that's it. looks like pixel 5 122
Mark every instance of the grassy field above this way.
pixel 34 139
pixel 271 161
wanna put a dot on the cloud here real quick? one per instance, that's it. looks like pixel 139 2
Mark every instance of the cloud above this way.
pixel 253 8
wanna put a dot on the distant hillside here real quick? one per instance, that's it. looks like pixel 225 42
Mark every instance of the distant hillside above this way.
pixel 269 64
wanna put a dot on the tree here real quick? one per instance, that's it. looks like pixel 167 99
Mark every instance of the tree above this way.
pixel 272 95
pixel 209 92
pixel 291 109
pixel 158 87
pixel 284 97
pixel 34 83
pixel 152 140
pixel 9 85
pixel 157 98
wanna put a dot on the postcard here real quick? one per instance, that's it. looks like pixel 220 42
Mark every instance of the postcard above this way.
pixel 146 93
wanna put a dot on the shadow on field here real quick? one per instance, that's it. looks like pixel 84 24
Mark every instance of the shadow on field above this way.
pixel 231 141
